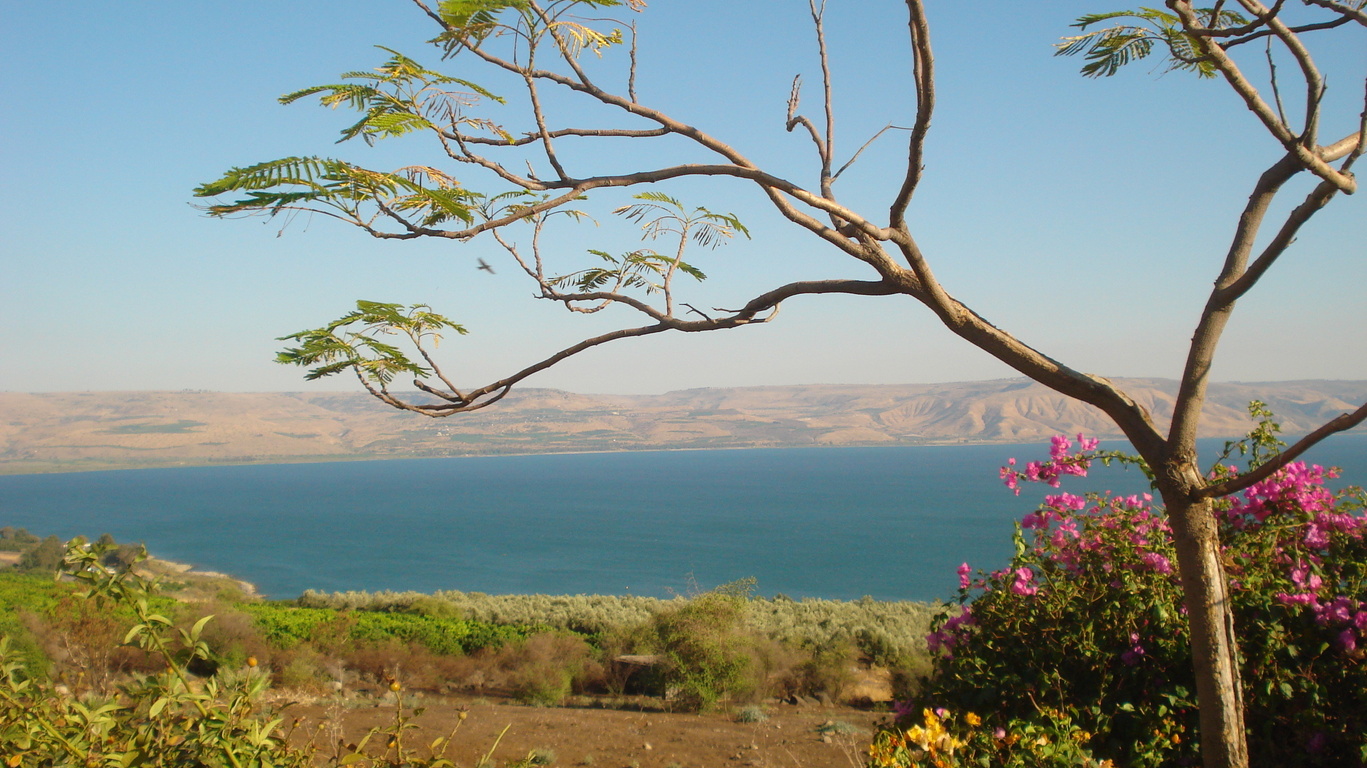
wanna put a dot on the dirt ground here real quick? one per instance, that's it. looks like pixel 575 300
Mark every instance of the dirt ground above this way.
pixel 793 736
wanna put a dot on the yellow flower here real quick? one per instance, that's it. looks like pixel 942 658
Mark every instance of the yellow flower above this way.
pixel 973 720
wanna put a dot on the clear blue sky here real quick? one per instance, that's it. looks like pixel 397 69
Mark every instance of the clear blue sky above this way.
pixel 1088 217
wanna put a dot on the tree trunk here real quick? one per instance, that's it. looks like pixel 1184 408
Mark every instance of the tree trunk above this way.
pixel 1205 591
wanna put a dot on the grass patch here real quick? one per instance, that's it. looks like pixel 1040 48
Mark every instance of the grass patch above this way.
pixel 177 428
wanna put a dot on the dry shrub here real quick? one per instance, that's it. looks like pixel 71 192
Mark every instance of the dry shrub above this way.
pixel 301 668
pixel 412 664
pixel 232 636
pixel 84 642
pixel 777 668
pixel 908 675
pixel 830 670
pixel 546 668
pixel 622 641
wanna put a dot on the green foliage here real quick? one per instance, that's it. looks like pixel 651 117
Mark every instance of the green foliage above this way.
pixel 642 268
pixel 165 719
pixel 298 182
pixel 15 539
pixel 1107 50
pixel 288 626
pixel 399 97
pixel 158 720
pixel 659 215
pixel 338 348
pixel 885 632
pixel 469 22
pixel 35 594
pixel 471 14
pixel 1260 445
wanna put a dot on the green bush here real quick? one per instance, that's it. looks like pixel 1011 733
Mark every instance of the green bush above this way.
pixel 16 539
pixel 44 558
pixel 702 648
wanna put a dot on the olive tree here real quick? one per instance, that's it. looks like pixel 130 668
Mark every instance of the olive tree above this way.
pixel 546 47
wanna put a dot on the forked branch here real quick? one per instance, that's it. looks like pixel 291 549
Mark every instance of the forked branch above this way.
pixel 1340 423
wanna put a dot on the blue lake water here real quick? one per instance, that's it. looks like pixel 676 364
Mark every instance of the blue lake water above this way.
pixel 892 523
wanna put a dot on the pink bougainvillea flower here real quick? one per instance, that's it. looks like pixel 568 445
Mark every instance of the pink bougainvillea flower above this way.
pixel 1024 582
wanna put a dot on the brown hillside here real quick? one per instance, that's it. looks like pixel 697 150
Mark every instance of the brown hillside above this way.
pixel 62 431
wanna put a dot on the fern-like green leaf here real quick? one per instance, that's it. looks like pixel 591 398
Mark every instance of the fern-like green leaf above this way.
pixel 463 14
pixel 336 347
pixel 1107 50
pixel 295 182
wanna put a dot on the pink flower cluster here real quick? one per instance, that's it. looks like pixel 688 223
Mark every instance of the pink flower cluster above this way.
pixel 1136 652
pixel 1296 494
pixel 1062 461
pixel 1023 582
pixel 1345 614
pixel 953 631
pixel 1296 489
pixel 1111 531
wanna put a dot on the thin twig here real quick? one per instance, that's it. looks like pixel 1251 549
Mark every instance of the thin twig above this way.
pixel 881 131
pixel 1276 92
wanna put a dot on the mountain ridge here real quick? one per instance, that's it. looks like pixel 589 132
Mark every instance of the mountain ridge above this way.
pixel 69 431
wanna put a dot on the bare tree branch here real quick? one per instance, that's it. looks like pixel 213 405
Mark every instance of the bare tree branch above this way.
pixel 795 119
pixel 531 138
pixel 828 151
pixel 1349 12
pixel 1233 282
pixel 1314 83
pixel 865 145
pixel 1232 74
pixel 923 80
pixel 484 396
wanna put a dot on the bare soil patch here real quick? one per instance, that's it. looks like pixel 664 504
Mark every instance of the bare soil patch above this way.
pixel 792 736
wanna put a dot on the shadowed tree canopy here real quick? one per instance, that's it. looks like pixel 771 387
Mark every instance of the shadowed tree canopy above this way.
pixel 572 68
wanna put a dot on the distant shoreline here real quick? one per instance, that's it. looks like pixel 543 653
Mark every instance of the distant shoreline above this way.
pixel 156 566
pixel 13 469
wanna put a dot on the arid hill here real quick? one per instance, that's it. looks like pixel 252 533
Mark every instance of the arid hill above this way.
pixel 63 431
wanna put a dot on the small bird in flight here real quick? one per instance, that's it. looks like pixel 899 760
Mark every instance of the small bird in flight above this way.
pixel 484 265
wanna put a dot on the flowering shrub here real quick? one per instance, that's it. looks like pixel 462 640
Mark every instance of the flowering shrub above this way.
pixel 943 741
pixel 1086 625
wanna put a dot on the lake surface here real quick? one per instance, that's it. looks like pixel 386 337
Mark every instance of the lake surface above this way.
pixel 891 523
